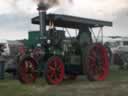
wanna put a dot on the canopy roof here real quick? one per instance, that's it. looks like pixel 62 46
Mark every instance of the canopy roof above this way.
pixel 71 21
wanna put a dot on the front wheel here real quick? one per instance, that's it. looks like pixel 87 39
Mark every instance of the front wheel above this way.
pixel 54 70
pixel 96 62
pixel 27 70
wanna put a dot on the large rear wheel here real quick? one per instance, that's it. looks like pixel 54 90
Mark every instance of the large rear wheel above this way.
pixel 96 62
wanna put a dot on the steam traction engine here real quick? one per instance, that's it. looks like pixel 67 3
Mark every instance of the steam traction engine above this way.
pixel 62 56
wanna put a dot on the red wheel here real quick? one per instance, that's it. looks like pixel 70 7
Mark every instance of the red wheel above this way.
pixel 54 71
pixel 27 70
pixel 97 62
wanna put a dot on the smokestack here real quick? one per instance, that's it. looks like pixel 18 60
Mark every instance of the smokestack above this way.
pixel 43 5
pixel 42 17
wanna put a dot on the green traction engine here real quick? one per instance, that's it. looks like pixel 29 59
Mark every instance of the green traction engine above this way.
pixel 57 54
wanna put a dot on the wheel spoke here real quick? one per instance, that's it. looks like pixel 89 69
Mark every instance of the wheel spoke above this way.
pixel 52 74
pixel 93 53
pixel 26 66
pixel 92 58
pixel 51 68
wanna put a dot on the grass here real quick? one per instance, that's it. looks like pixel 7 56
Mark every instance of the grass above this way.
pixel 117 75
pixel 115 85
pixel 14 88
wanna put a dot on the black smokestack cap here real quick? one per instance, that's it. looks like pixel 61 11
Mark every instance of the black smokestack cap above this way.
pixel 42 6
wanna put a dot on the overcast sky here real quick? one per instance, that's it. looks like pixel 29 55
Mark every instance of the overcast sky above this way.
pixel 15 15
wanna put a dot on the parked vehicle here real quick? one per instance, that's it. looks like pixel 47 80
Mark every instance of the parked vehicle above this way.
pixel 119 49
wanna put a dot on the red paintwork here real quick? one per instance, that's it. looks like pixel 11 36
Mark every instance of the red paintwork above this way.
pixel 55 71
pixel 27 71
pixel 99 72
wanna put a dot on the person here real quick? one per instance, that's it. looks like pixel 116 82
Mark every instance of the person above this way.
pixel 2 61
pixel 1 49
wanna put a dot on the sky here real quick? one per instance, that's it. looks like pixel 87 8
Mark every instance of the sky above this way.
pixel 15 15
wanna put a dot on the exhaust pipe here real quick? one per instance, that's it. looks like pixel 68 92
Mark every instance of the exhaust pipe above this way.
pixel 42 17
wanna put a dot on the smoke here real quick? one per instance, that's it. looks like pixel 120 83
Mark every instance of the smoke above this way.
pixel 48 3
pixel 52 3
pixel 84 8
pixel 28 6
pixel 99 9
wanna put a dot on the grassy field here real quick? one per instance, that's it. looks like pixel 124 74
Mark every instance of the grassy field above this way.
pixel 115 85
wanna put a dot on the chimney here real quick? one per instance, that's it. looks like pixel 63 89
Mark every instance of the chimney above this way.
pixel 42 8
